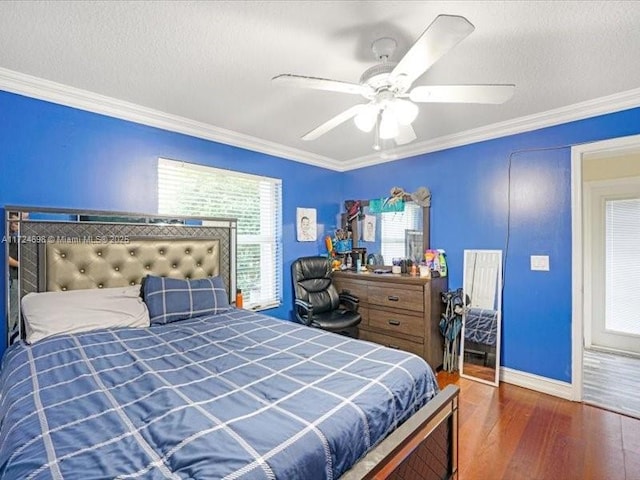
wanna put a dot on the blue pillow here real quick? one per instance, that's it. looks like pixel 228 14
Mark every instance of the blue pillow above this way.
pixel 172 299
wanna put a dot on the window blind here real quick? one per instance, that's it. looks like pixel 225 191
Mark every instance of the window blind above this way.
pixel 392 230
pixel 622 231
pixel 255 201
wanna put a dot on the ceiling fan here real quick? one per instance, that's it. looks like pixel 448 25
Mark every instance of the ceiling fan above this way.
pixel 388 86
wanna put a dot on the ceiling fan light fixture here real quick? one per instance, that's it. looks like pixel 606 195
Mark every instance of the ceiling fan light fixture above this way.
pixel 388 125
pixel 404 110
pixel 366 119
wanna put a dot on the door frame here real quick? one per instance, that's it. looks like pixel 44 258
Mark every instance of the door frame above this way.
pixel 619 145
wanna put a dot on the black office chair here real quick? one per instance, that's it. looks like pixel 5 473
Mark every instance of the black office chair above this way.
pixel 317 302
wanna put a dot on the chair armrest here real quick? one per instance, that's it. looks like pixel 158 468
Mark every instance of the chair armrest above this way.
pixel 351 302
pixel 304 311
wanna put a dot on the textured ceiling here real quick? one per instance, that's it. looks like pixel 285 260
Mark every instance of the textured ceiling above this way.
pixel 212 62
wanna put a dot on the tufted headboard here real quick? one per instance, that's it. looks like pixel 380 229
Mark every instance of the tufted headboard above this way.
pixel 68 266
pixel 67 250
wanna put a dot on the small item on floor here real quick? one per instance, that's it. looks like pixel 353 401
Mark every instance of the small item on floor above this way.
pixel 450 326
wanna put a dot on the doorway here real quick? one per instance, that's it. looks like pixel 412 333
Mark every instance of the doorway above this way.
pixel 611 229
pixel 606 279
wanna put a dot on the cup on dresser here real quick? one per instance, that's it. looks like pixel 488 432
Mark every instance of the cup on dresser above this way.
pixel 425 271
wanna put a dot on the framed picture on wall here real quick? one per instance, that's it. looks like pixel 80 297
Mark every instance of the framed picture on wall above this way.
pixel 369 228
pixel 306 224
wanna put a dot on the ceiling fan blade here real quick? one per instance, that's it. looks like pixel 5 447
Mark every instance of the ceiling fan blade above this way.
pixel 444 33
pixel 462 93
pixel 334 122
pixel 321 84
pixel 406 134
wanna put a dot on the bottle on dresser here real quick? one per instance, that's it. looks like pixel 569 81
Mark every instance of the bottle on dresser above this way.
pixel 239 299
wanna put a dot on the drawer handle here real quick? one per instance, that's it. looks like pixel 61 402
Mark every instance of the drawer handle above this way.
pixel 393 298
pixel 393 346
pixel 394 322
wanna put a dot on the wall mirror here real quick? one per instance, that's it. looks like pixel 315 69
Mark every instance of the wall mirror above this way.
pixel 480 345
pixel 398 234
pixel 393 234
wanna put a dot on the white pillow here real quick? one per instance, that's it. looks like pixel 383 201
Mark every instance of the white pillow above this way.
pixel 53 313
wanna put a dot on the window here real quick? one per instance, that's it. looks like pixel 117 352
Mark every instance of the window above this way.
pixel 611 278
pixel 393 230
pixel 255 201
pixel 622 230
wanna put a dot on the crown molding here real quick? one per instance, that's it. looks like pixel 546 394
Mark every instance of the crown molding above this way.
pixel 35 87
pixel 578 111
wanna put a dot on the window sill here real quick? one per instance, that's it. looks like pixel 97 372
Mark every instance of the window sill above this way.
pixel 266 306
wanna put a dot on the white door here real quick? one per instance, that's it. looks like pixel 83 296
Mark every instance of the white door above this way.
pixel 612 261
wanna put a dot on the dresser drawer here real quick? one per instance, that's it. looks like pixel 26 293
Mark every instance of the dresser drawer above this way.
pixel 397 296
pixel 364 313
pixel 357 289
pixel 396 322
pixel 392 342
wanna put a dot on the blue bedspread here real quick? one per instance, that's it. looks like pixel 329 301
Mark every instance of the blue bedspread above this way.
pixel 236 395
pixel 480 326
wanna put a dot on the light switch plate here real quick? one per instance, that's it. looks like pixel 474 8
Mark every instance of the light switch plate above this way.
pixel 540 262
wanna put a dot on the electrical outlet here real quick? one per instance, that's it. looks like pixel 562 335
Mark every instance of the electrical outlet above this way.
pixel 540 262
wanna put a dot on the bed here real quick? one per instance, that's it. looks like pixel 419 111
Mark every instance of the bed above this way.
pixel 228 393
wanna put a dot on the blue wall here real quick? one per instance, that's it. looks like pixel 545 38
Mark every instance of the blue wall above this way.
pixel 55 156
pixel 469 188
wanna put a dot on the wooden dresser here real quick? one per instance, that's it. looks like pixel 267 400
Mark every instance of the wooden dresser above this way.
pixel 399 311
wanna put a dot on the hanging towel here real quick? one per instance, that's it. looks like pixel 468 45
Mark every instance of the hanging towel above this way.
pixel 383 205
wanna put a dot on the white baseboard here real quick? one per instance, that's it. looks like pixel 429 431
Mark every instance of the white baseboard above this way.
pixel 537 383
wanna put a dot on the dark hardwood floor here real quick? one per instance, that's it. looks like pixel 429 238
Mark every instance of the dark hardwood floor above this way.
pixel 513 433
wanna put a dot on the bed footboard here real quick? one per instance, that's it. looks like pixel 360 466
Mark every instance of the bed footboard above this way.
pixel 425 447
